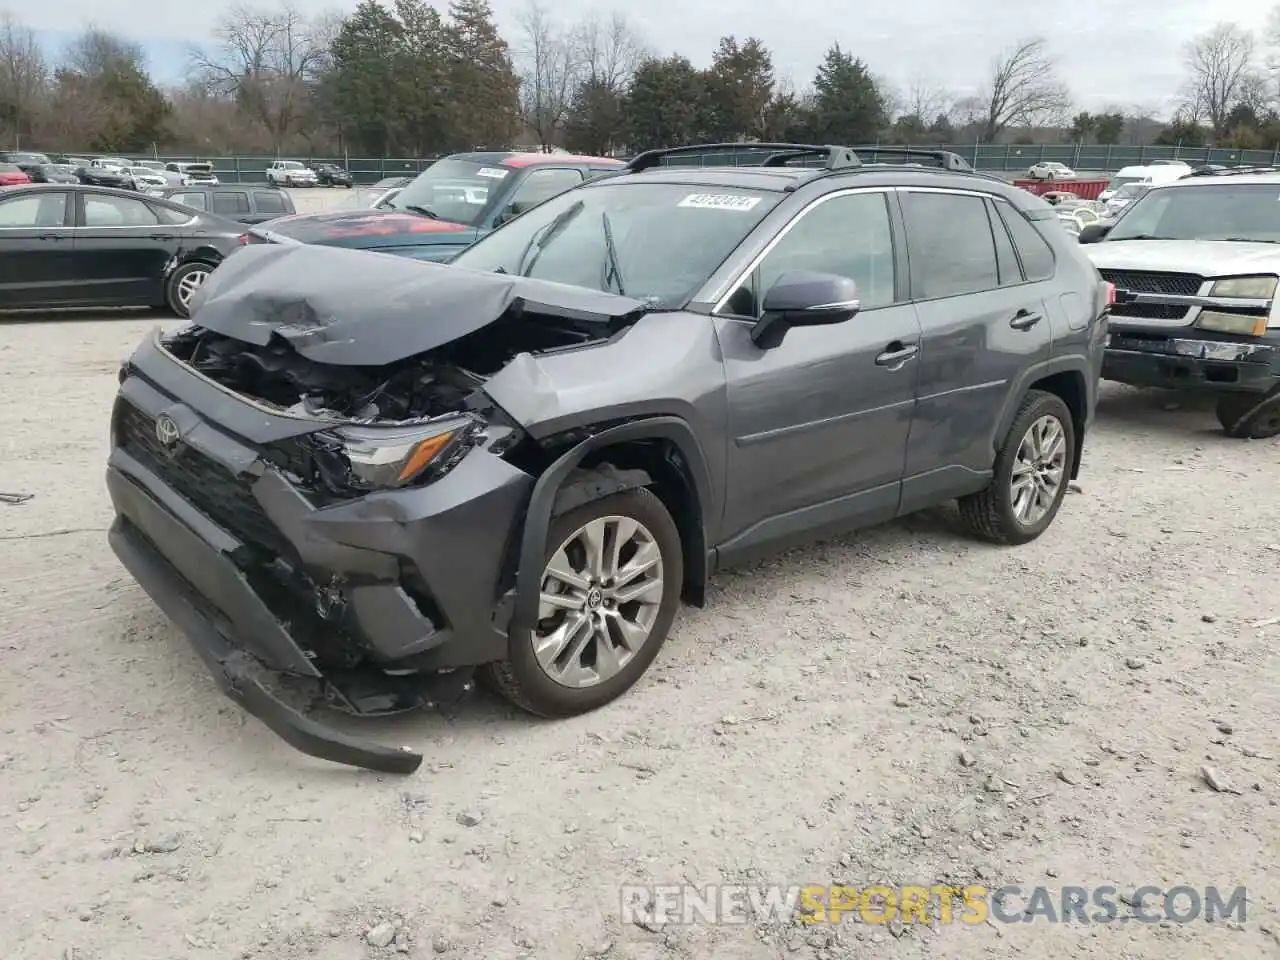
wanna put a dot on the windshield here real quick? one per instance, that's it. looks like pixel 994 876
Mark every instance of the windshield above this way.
pixel 1131 191
pixel 1117 182
pixel 361 198
pixel 1204 212
pixel 454 189
pixel 652 241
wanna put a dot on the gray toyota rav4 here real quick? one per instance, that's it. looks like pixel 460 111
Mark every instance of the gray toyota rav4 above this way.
pixel 379 479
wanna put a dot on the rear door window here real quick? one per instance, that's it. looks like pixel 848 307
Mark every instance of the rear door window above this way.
pixel 269 202
pixel 950 243
pixel 230 202
pixel 194 199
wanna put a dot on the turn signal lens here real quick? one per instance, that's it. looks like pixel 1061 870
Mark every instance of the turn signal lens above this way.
pixel 422 455
pixel 1245 324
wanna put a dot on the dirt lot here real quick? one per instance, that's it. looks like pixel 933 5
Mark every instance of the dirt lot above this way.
pixel 903 706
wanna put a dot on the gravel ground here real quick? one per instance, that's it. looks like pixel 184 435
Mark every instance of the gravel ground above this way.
pixel 901 706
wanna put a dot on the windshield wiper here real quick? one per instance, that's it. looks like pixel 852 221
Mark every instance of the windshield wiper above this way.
pixel 538 242
pixel 422 210
pixel 611 269
pixel 1141 236
pixel 1248 240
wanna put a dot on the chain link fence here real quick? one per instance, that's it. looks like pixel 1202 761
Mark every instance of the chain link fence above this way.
pixel 1007 158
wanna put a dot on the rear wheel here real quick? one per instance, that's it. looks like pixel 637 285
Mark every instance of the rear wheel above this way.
pixel 183 284
pixel 610 587
pixel 1031 473
pixel 1250 416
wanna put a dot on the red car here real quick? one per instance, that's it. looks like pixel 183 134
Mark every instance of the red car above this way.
pixel 11 175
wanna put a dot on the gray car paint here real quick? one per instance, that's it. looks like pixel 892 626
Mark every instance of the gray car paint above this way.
pixel 304 294
pixel 772 447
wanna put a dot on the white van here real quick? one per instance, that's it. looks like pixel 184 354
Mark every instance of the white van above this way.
pixel 1149 175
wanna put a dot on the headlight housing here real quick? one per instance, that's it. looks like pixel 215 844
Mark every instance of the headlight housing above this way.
pixel 1245 324
pixel 382 458
pixel 1251 288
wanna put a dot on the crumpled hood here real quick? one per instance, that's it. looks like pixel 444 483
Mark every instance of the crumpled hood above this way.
pixel 368 229
pixel 1209 258
pixel 357 308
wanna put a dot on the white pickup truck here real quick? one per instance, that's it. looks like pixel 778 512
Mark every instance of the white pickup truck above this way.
pixel 291 173
pixel 1196 265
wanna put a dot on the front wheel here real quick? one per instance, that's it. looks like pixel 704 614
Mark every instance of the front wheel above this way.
pixel 183 284
pixel 1250 416
pixel 1032 469
pixel 610 587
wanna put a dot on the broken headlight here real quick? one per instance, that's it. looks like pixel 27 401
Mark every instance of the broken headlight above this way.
pixel 388 457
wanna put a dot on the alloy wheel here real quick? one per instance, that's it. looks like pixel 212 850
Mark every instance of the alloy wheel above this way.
pixel 1039 470
pixel 189 284
pixel 601 593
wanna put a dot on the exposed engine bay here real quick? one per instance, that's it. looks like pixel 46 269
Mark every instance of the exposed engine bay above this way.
pixel 428 385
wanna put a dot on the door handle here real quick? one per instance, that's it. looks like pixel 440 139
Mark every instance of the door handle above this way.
pixel 1025 320
pixel 52 236
pixel 897 353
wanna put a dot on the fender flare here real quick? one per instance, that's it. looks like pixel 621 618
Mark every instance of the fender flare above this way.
pixel 543 498
pixel 1013 399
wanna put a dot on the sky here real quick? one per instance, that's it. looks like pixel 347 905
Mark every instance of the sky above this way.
pixel 1111 55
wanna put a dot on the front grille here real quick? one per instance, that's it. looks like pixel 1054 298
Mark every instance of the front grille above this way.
pixel 1149 311
pixel 213 489
pixel 1143 281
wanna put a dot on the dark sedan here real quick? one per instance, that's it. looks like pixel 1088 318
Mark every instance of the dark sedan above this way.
pixel 332 175
pixel 105 177
pixel 78 246
pixel 446 208
pixel 53 173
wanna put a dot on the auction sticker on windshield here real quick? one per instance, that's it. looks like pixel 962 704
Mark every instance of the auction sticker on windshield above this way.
pixel 719 201
pixel 493 173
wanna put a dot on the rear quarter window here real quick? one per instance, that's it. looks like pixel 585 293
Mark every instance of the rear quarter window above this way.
pixel 1033 250
pixel 267 201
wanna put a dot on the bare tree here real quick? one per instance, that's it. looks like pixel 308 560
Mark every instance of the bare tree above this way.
pixel 548 70
pixel 1024 90
pixel 267 62
pixel 608 51
pixel 24 78
pixel 1221 74
pixel 925 100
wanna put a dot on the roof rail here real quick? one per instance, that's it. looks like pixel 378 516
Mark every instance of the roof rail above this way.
pixel 1227 171
pixel 941 158
pixel 834 157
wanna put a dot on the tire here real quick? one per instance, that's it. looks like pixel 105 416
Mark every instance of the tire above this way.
pixel 1250 416
pixel 179 282
pixel 992 514
pixel 523 680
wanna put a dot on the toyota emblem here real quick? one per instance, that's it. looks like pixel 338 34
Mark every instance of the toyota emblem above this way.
pixel 167 431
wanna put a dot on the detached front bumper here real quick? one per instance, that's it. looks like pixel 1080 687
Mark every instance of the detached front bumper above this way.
pixel 385 602
pixel 1190 358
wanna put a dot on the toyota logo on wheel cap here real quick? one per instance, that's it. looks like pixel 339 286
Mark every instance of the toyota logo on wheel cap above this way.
pixel 167 431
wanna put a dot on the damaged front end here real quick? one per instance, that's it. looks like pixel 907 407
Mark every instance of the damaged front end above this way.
pixel 328 498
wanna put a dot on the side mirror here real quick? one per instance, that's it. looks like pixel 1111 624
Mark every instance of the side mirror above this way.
pixel 803 298
pixel 1094 232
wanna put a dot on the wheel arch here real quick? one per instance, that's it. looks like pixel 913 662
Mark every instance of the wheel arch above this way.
pixel 660 453
pixel 1066 379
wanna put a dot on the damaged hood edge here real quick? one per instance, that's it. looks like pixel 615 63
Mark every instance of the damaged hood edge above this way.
pixel 361 308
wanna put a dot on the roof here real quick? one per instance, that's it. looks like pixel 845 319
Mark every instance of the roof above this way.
pixel 516 159
pixel 787 179
pixel 1224 180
